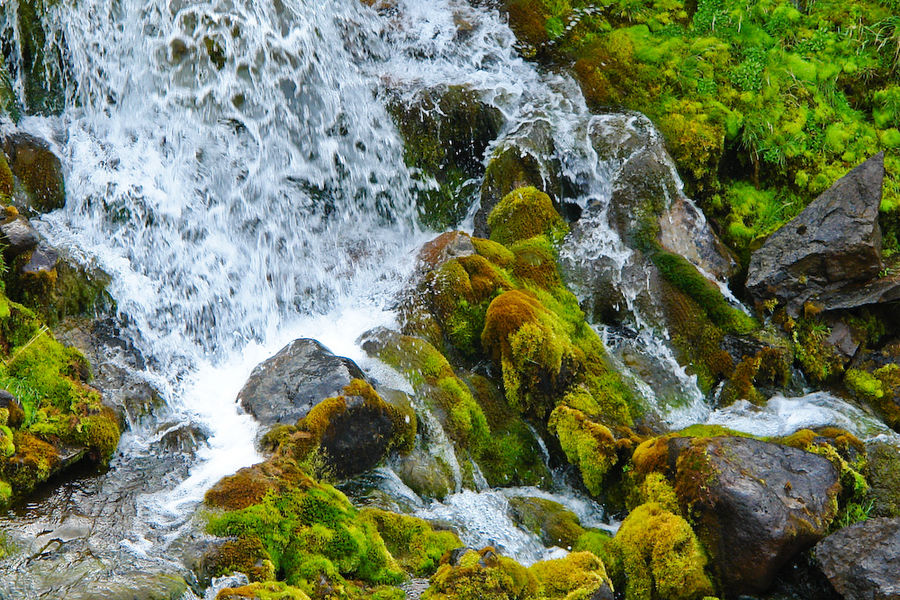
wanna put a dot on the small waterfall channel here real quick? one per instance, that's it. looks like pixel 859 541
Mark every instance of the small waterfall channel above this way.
pixel 233 166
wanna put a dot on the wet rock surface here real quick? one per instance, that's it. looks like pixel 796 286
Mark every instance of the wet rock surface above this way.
pixel 862 561
pixel 38 170
pixel 826 252
pixel 284 388
pixel 756 504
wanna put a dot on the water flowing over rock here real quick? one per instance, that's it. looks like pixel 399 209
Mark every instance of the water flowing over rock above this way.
pixel 38 170
pixel 284 388
pixel 862 561
pixel 827 253
pixel 756 505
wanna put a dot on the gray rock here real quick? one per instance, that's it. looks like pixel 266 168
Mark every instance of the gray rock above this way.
pixel 833 245
pixel 283 389
pixel 43 260
pixel 862 561
pixel 18 235
pixel 755 505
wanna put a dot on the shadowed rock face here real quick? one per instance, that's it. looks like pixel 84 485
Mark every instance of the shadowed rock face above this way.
pixel 862 561
pixel 756 504
pixel 38 170
pixel 284 388
pixel 829 250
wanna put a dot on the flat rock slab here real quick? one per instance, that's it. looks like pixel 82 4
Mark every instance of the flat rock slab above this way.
pixel 862 561
pixel 285 387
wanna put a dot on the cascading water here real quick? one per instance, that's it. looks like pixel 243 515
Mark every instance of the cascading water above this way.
pixel 231 164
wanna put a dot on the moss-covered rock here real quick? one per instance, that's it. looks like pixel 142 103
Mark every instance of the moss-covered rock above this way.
pixel 38 170
pixel 54 419
pixel 412 541
pixel 485 575
pixel 578 575
pixel 550 521
pixel 525 213
pixel 884 477
pixel 262 591
pixel 446 132
pixel 659 556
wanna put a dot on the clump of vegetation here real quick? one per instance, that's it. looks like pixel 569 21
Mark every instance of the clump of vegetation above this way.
pixel 578 575
pixel 53 405
pixel 659 556
pixel 485 575
pixel 412 541
pixel 763 104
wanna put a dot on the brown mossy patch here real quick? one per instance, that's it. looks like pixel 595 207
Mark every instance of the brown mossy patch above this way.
pixel 245 554
pixel 251 484
pixel 270 590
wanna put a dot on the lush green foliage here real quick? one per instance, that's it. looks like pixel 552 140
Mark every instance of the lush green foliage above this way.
pixel 764 104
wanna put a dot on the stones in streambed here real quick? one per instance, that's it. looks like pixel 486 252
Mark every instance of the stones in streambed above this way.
pixel 830 254
pixel 862 561
pixel 285 387
pixel 552 522
pixel 754 504
pixel 446 131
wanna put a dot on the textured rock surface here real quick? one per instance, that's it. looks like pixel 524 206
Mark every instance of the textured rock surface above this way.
pixel 38 170
pixel 285 387
pixel 756 505
pixel 862 561
pixel 830 247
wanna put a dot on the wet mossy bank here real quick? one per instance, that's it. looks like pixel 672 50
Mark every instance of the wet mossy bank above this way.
pixel 763 105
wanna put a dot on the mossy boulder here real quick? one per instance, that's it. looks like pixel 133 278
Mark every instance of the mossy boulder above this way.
pixel 578 575
pixel 525 213
pixel 285 387
pixel 51 419
pixel 350 433
pixel 884 478
pixel 750 510
pixel 37 170
pixel 412 541
pixel 483 574
pixel 552 522
pixel 446 131
pixel 657 555
pixel 309 532
pixel 526 157
pixel 262 591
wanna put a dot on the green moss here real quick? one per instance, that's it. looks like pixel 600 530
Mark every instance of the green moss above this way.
pixel 311 531
pixel 596 542
pixel 884 471
pixel 263 591
pixel 588 445
pixel 549 520
pixel 818 359
pixel 525 213
pixel 578 575
pixel 484 575
pixel 412 541
pixel 863 384
pixel 659 557
pixel 67 290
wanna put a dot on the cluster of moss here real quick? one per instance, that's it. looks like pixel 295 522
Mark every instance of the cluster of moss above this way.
pixel 503 446
pixel 57 407
pixel 504 299
pixel 283 526
pixel 880 389
pixel 763 104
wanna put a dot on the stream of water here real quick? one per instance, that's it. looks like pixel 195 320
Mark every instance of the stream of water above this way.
pixel 232 165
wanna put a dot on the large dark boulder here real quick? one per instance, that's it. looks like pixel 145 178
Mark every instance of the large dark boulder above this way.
pixel 38 170
pixel 862 561
pixel 755 505
pixel 828 250
pixel 284 388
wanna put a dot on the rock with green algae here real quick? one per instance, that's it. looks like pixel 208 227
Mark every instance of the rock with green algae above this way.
pixel 37 170
pixel 577 576
pixel 503 446
pixel 658 556
pixel 62 419
pixel 552 522
pixel 483 574
pixel 884 478
pixel 411 541
pixel 446 131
